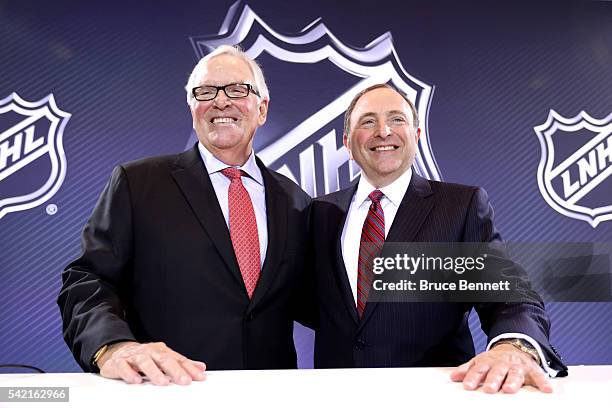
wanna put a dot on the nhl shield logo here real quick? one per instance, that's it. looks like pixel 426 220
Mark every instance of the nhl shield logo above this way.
pixel 312 77
pixel 32 158
pixel 575 166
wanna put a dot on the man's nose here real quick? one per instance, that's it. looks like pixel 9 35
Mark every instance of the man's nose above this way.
pixel 221 100
pixel 384 130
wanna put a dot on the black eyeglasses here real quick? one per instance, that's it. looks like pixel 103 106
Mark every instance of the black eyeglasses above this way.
pixel 233 91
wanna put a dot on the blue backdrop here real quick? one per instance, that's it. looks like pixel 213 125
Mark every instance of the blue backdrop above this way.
pixel 485 77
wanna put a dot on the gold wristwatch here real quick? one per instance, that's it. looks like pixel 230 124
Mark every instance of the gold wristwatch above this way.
pixel 99 354
pixel 522 345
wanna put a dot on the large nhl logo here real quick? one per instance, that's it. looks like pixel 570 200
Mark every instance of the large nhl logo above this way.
pixel 32 159
pixel 576 162
pixel 312 78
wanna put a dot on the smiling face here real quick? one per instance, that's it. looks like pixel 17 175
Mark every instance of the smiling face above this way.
pixel 382 138
pixel 226 126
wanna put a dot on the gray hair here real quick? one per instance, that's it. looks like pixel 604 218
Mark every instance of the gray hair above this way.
pixel 236 51
pixel 349 111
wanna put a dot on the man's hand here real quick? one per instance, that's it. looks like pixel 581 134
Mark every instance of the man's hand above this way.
pixel 128 360
pixel 503 366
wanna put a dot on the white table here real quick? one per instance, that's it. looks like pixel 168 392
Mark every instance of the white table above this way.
pixel 387 387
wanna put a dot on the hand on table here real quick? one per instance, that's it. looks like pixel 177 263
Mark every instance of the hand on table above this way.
pixel 131 360
pixel 502 367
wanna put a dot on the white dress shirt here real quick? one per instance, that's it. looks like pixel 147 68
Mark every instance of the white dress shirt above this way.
pixel 390 202
pixel 254 185
pixel 357 213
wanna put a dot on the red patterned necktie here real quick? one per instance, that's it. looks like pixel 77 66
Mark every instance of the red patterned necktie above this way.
pixel 243 229
pixel 372 240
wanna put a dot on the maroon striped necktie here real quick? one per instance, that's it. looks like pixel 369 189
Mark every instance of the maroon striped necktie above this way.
pixel 243 229
pixel 370 246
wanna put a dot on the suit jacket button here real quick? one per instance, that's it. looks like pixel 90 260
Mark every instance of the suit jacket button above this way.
pixel 359 345
pixel 250 317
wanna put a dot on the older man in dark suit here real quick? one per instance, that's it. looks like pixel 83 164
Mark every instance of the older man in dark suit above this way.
pixel 391 203
pixel 193 258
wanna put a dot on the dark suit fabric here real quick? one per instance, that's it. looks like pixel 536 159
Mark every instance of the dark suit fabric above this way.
pixel 411 334
pixel 158 265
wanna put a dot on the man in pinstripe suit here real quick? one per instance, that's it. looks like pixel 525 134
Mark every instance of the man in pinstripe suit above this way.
pixel 381 134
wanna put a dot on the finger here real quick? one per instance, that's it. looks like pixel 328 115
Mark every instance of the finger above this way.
pixel 514 379
pixel 475 376
pixel 120 369
pixel 495 378
pixel 200 364
pixel 195 371
pixel 539 380
pixel 177 356
pixel 194 368
pixel 127 373
pixel 146 365
pixel 458 374
pixel 168 364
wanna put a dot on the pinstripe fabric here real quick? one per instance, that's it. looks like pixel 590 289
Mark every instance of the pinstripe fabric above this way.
pixel 411 334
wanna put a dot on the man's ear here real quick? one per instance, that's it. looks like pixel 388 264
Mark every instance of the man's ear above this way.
pixel 346 141
pixel 263 112
pixel 418 135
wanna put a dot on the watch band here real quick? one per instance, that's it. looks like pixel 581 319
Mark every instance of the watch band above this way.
pixel 99 354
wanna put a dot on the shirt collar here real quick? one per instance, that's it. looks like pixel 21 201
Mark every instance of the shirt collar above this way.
pixel 214 165
pixel 394 192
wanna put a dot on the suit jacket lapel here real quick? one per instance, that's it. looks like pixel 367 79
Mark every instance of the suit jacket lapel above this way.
pixel 412 212
pixel 343 202
pixel 193 180
pixel 409 219
pixel 277 208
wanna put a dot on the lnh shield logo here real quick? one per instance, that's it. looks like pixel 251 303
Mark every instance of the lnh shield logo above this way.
pixel 32 159
pixel 312 78
pixel 575 166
